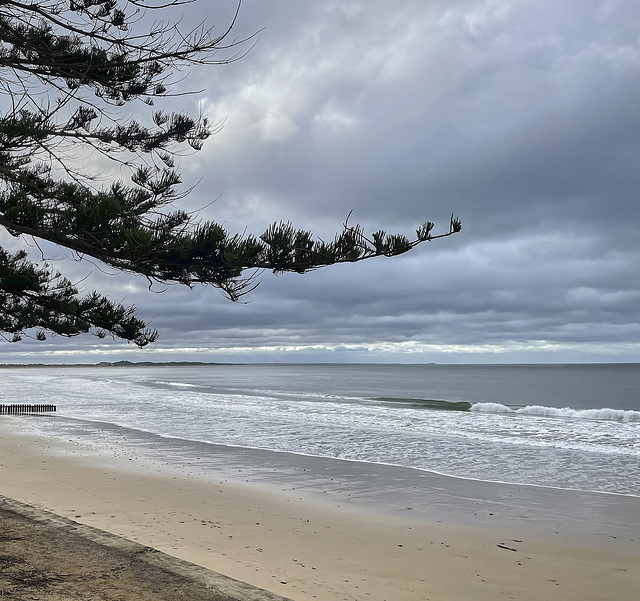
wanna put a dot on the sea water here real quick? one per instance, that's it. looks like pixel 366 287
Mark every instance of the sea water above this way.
pixel 564 426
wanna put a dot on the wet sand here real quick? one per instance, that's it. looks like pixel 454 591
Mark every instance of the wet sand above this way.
pixel 308 528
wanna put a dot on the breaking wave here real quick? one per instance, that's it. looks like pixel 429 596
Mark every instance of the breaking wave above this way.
pixel 617 415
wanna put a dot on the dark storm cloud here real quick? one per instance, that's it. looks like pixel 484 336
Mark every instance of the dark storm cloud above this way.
pixel 521 117
pixel 483 107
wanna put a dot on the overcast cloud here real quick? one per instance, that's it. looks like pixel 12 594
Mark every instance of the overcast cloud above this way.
pixel 521 117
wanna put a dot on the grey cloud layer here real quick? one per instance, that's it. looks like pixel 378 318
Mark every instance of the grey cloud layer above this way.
pixel 521 117
pixel 460 107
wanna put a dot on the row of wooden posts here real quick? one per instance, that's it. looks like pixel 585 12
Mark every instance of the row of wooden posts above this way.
pixel 18 409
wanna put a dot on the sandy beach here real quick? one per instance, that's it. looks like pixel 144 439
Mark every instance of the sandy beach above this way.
pixel 290 540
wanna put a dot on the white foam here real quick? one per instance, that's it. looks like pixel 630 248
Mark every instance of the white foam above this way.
pixel 618 415
pixel 180 384
pixel 491 408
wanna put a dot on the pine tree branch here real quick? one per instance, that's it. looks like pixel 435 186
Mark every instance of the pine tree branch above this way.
pixel 98 49
pixel 36 297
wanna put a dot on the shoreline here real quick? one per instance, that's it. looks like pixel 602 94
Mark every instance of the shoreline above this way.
pixel 287 536
pixel 361 485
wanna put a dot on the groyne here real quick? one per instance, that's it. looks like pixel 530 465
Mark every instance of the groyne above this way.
pixel 23 409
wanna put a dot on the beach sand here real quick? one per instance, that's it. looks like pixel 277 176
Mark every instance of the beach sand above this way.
pixel 47 557
pixel 291 541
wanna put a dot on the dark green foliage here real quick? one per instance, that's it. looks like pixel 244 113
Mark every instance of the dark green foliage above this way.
pixel 35 297
pixel 64 65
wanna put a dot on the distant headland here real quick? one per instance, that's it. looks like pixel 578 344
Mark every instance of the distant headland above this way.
pixel 115 364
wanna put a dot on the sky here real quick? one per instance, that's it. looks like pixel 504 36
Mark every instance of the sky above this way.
pixel 519 116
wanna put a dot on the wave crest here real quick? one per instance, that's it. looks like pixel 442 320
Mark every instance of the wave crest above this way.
pixel 427 403
pixel 618 415
pixel 178 384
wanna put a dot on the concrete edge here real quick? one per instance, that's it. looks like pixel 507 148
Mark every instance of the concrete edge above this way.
pixel 218 583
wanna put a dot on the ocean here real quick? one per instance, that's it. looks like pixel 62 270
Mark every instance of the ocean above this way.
pixel 574 427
